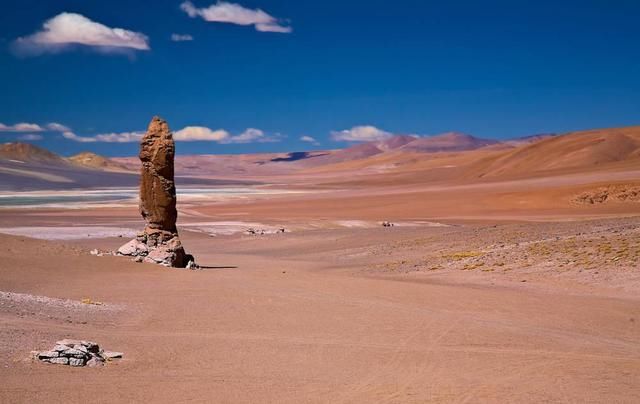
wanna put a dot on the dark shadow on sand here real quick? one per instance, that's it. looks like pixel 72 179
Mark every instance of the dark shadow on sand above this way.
pixel 217 267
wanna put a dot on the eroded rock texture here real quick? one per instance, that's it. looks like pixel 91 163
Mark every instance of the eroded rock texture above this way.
pixel 159 243
pixel 157 187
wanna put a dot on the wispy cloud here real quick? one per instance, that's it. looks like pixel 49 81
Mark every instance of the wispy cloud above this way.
pixel 57 127
pixel 82 139
pixel 122 137
pixel 181 37
pixel 202 133
pixel 365 133
pixel 186 134
pixel 21 127
pixel 68 29
pixel 233 13
pixel 30 136
pixel 252 135
pixel 309 139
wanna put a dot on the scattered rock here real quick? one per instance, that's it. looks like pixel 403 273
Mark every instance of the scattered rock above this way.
pixel 76 362
pixel 99 253
pixel 57 361
pixel 76 353
pixel 112 355
pixel 617 193
pixel 94 362
pixel 387 224
pixel 192 265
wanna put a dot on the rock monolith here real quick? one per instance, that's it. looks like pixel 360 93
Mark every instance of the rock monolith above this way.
pixel 159 242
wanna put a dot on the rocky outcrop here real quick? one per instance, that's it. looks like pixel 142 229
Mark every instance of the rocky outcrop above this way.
pixel 76 353
pixel 159 242
pixel 612 193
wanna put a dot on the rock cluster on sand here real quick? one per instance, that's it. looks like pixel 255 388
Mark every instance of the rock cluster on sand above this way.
pixel 159 242
pixel 76 353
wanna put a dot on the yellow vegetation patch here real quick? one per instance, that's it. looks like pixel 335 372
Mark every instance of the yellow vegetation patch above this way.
pixel 464 254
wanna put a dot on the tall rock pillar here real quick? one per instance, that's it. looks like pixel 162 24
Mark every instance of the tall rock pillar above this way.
pixel 159 242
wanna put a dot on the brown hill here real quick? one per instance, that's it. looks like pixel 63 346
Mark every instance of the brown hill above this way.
pixel 585 150
pixel 395 142
pixel 447 142
pixel 591 151
pixel 92 160
pixel 28 153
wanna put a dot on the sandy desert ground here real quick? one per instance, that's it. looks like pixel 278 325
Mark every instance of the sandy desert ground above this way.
pixel 499 288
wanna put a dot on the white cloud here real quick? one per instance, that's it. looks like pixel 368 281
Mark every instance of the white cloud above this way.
pixel 252 135
pixel 186 134
pixel 309 139
pixel 181 37
pixel 202 133
pixel 248 136
pixel 57 127
pixel 273 28
pixel 21 127
pixel 82 139
pixel 361 134
pixel 195 133
pixel 30 136
pixel 122 137
pixel 233 13
pixel 67 29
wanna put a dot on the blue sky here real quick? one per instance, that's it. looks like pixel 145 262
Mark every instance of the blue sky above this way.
pixel 347 70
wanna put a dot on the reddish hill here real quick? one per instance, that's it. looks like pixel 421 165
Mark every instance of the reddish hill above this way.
pixel 584 150
pixel 95 161
pixel 28 153
pixel 395 142
pixel 447 142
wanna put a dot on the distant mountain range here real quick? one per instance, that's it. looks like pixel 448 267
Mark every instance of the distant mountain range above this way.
pixel 449 155
pixel 25 167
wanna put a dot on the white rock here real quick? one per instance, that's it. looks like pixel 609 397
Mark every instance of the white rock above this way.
pixel 112 355
pixel 73 352
pixel 76 362
pixel 133 247
pixel 94 362
pixel 69 342
pixel 81 348
pixel 159 255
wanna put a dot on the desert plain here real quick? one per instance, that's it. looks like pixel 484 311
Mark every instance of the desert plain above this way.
pixel 510 274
